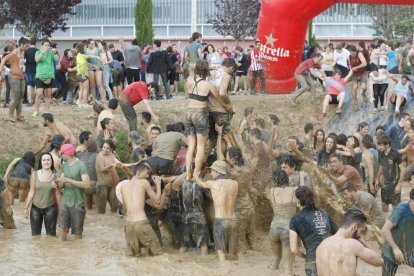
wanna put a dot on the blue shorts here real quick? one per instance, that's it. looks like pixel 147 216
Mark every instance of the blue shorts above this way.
pixel 29 78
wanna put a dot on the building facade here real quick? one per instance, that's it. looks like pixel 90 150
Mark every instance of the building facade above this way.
pixel 176 19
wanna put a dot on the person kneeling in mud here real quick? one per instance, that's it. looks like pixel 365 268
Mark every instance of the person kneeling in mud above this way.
pixel 224 194
pixel 138 231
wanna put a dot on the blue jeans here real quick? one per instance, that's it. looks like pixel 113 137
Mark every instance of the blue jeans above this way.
pixel 165 83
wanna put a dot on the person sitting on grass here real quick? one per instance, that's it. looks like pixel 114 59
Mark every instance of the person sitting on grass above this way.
pixel 398 96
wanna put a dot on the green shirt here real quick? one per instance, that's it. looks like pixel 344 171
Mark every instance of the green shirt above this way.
pixel 43 197
pixel 72 195
pixel 45 66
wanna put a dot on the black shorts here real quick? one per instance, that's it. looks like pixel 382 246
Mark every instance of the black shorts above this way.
pixel 40 84
pixel 117 76
pixel 395 100
pixel 82 78
pixel 334 99
pixel 388 195
pixel 171 76
pixel 241 73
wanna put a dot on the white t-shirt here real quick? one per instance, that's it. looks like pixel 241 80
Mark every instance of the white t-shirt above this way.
pixel 383 60
pixel 381 78
pixel 341 58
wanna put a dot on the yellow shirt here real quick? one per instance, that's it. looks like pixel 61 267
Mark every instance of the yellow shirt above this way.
pixel 82 64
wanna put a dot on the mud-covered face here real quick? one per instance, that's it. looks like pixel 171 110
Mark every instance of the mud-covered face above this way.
pixel 288 169
pixel 106 149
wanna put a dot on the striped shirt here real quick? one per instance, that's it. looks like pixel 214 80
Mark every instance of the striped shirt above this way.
pixel 256 55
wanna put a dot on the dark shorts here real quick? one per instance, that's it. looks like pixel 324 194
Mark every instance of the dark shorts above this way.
pixel 395 100
pixel 30 78
pixel 359 79
pixel 221 119
pixel 40 84
pixel 334 99
pixel 82 78
pixel 71 217
pixel 161 166
pixel 388 195
pixel 140 234
pixel 241 73
pixel 117 77
pixel 196 121
pixel 171 76
pixel 196 232
pixel 389 268
pixel 225 235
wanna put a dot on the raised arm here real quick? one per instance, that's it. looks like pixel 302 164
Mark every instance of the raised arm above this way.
pixel 44 143
pixel 9 168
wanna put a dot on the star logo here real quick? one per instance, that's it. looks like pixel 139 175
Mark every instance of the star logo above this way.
pixel 270 39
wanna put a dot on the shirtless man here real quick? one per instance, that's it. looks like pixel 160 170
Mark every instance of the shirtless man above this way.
pixel 16 78
pixel 55 128
pixel 224 194
pixel 138 231
pixel 338 254
pixel 241 170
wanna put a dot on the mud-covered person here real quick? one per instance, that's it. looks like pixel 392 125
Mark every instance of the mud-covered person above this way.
pixel 55 128
pixel 224 194
pixel 138 231
pixel 194 198
pixel 220 109
pixel 284 204
pixel 339 254
pixel 197 117
pixel 241 170
pixel 89 158
pixel 73 180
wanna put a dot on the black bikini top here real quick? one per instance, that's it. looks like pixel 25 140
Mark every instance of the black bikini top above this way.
pixel 196 96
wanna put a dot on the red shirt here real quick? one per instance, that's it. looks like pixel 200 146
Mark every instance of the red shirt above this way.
pixel 352 175
pixel 136 92
pixel 306 65
pixel 337 86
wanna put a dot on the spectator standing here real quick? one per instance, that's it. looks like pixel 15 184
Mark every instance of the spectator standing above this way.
pixel 159 64
pixel 132 55
pixel 30 71
pixel 257 68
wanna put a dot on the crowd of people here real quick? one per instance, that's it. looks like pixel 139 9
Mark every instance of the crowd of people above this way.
pixel 31 75
pixel 202 177
pixel 371 70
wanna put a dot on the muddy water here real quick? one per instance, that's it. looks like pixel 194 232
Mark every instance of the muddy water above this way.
pixel 102 252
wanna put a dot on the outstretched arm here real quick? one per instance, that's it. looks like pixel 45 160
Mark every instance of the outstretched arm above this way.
pixel 149 109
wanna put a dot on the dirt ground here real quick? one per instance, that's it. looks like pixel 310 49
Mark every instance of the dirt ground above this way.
pixel 102 251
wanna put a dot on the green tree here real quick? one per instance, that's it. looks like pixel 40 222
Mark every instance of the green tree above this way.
pixel 392 22
pixel 143 22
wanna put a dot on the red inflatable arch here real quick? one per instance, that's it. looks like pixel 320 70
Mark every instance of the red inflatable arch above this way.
pixel 282 29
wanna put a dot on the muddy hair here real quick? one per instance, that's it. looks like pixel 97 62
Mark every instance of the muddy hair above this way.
pixel 383 139
pixel 248 110
pixel 202 69
pixel 111 144
pixel 305 197
pixel 362 125
pixel 105 122
pixel 236 154
pixel 280 178
pixel 39 163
